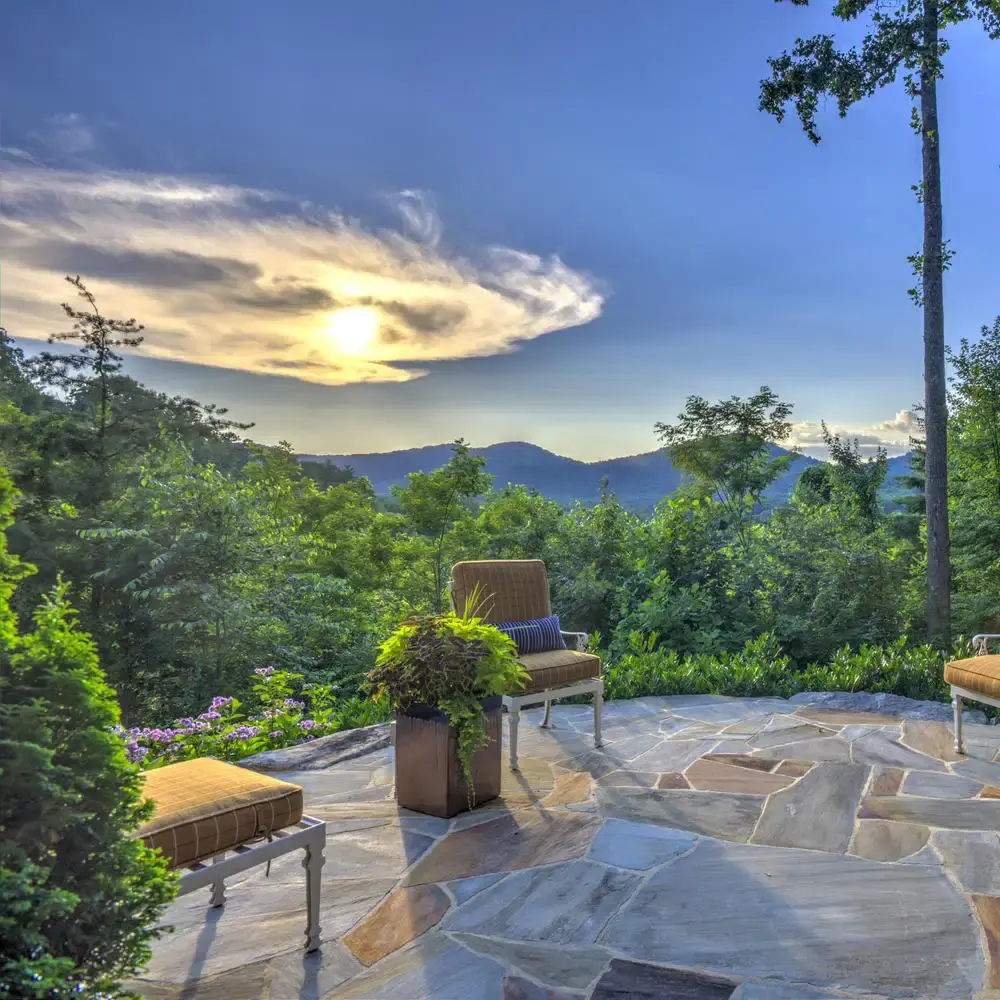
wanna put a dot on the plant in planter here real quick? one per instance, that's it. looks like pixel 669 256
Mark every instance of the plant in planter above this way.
pixel 444 674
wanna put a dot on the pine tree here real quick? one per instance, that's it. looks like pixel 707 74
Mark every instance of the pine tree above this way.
pixel 79 897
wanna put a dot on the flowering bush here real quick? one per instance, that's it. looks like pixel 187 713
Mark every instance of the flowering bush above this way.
pixel 286 713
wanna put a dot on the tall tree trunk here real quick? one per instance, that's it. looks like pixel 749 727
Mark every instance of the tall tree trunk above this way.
pixel 935 387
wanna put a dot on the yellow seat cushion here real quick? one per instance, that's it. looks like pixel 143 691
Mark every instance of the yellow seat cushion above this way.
pixel 978 673
pixel 558 667
pixel 205 806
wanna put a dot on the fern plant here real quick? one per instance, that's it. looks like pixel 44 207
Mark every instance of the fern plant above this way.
pixel 450 662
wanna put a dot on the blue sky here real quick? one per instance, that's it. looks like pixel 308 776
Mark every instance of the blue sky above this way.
pixel 231 174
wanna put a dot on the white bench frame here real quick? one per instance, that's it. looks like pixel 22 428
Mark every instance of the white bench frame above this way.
pixel 514 703
pixel 309 834
pixel 958 694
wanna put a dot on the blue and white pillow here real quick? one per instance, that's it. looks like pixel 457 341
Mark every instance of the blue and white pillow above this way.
pixel 539 635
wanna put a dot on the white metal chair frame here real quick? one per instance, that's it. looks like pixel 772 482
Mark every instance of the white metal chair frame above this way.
pixel 958 694
pixel 515 702
pixel 309 834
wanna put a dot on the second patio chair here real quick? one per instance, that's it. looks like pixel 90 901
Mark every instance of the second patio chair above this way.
pixel 514 594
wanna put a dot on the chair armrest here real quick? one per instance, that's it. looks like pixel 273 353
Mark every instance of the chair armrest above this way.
pixel 581 639
pixel 980 642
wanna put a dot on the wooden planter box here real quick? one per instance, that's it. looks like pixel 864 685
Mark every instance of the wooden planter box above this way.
pixel 429 778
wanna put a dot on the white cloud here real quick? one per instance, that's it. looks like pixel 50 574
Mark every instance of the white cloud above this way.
pixel 247 279
pixel 893 435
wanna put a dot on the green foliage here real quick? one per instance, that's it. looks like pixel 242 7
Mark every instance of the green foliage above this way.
pixel 79 898
pixel 855 481
pixel 726 447
pixel 449 662
pixel 286 712
pixel 435 503
pixel 761 669
pixel 208 555
pixel 974 470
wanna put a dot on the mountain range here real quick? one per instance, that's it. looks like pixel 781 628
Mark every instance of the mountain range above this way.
pixel 639 481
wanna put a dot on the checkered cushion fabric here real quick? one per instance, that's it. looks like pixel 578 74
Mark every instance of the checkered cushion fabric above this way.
pixel 978 673
pixel 205 806
pixel 538 636
pixel 558 667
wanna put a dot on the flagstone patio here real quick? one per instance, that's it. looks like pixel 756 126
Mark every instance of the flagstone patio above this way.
pixel 713 849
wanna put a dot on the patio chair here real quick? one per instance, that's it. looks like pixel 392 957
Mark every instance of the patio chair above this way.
pixel 976 678
pixel 514 591
pixel 207 809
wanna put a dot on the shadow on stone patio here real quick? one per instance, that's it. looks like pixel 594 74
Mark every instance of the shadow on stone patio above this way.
pixel 739 849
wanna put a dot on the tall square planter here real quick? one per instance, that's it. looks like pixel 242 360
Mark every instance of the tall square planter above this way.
pixel 429 777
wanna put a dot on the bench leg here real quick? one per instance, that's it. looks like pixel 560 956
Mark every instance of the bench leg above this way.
pixel 514 715
pixel 598 705
pixel 219 887
pixel 956 701
pixel 313 864
pixel 546 724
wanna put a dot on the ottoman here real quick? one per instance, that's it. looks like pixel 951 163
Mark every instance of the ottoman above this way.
pixel 210 811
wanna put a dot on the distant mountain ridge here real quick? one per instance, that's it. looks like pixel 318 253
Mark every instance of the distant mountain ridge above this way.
pixel 639 481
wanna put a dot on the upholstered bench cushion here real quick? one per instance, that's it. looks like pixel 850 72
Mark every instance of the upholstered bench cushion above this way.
pixel 558 667
pixel 205 806
pixel 978 673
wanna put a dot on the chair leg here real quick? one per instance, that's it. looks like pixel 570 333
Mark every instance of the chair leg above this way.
pixel 598 705
pixel 514 717
pixel 218 888
pixel 313 864
pixel 956 701
pixel 546 724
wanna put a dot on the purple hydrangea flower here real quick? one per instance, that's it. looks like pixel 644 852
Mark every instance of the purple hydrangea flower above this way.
pixel 291 703
pixel 219 702
pixel 243 733
pixel 275 735
pixel 306 724
pixel 264 671
pixel 209 715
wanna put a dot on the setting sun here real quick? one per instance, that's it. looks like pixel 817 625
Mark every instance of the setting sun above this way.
pixel 353 329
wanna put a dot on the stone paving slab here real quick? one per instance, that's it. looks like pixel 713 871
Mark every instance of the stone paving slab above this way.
pixel 823 919
pixel 649 982
pixel 978 814
pixel 972 857
pixel 508 843
pixel 880 840
pixel 825 748
pixel 817 812
pixel 571 967
pixel 561 904
pixel 940 786
pixel 714 814
pixel 639 846
pixel 434 968
pixel 755 849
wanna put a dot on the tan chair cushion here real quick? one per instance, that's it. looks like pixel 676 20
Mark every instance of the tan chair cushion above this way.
pixel 510 590
pixel 556 668
pixel 205 806
pixel 978 673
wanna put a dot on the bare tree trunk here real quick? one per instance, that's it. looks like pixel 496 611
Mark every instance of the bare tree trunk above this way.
pixel 935 386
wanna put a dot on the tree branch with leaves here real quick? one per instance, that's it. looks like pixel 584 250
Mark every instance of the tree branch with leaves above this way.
pixel 908 38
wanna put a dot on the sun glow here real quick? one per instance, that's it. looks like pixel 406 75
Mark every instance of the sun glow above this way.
pixel 353 329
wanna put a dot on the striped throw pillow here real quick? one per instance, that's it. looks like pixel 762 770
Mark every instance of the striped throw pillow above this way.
pixel 538 635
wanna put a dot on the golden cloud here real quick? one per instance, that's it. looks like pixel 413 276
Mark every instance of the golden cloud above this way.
pixel 249 280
